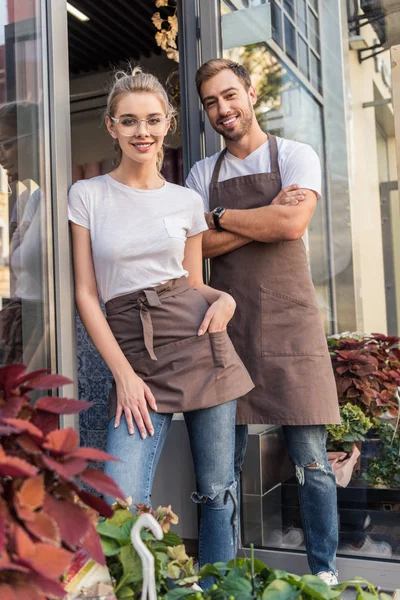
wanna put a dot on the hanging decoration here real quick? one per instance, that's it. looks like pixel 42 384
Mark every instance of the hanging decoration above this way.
pixel 166 23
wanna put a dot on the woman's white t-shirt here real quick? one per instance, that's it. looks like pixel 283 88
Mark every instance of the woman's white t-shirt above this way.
pixel 137 236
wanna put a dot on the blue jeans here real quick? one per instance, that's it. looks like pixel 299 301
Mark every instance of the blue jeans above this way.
pixel 212 442
pixel 306 445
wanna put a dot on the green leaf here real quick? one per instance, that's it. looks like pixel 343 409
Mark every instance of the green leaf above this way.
pixel 178 553
pixel 125 592
pixel 110 546
pixel 172 539
pixel 239 587
pixel 122 516
pixel 366 596
pixel 281 590
pixel 177 593
pixel 130 560
pixel 210 571
pixel 173 570
pixel 112 531
pixel 317 589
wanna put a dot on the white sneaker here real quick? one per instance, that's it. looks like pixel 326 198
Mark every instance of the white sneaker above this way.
pixel 371 548
pixel 328 577
pixel 292 538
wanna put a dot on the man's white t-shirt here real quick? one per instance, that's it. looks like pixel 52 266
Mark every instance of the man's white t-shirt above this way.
pixel 138 236
pixel 298 163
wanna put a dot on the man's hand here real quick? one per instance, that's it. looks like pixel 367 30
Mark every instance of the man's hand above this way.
pixel 290 195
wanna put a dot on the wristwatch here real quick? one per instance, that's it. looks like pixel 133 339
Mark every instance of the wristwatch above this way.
pixel 217 214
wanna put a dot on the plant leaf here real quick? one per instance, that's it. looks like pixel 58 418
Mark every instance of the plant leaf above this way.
pixel 92 544
pixel 31 493
pixel 16 467
pixel 93 454
pixel 102 483
pixel 45 528
pixel 62 406
pixel 95 502
pixel 61 441
pixel 71 518
pixel 45 421
pixel 24 425
pixel 66 469
pixel 281 590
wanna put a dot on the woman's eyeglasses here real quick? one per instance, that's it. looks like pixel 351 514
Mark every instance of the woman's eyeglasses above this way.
pixel 8 143
pixel 130 126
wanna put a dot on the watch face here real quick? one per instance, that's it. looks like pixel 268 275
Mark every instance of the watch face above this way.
pixel 219 211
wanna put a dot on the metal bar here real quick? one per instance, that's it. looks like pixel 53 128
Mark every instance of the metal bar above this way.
pixel 60 179
pixel 362 58
pixel 380 102
pixel 395 56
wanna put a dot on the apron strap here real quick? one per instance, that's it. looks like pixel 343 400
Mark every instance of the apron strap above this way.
pixel 273 150
pixel 217 168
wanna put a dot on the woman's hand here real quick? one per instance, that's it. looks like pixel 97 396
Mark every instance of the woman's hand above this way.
pixel 218 315
pixel 133 396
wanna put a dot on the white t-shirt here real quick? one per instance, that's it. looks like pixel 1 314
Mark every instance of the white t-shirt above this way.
pixel 298 163
pixel 138 236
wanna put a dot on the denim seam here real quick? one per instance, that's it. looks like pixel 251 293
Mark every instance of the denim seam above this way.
pixel 151 464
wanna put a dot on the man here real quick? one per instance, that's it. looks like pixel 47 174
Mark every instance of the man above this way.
pixel 259 196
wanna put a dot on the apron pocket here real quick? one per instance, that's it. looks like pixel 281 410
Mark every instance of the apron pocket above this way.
pixel 290 326
pixel 221 348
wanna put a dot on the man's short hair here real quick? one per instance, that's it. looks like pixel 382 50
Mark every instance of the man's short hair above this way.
pixel 215 66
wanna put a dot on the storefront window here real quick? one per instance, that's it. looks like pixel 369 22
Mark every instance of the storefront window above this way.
pixel 339 102
pixel 24 241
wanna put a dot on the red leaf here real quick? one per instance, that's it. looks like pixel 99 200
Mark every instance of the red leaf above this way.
pixel 49 587
pixel 66 469
pixel 92 454
pixel 25 425
pixel 45 528
pixel 12 408
pixel 3 534
pixel 9 374
pixel 8 430
pixel 46 381
pixel 27 590
pixel 97 503
pixel 71 519
pixel 21 379
pixel 45 421
pixel 91 543
pixel 102 483
pixel 47 560
pixel 61 441
pixel 7 592
pixel 28 445
pixel 62 406
pixel 16 467
pixel 31 493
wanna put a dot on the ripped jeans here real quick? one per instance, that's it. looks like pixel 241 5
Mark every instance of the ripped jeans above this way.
pixel 212 442
pixel 306 445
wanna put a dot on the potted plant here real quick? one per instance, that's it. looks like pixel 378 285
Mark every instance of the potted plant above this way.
pixel 44 514
pixel 344 441
pixel 384 470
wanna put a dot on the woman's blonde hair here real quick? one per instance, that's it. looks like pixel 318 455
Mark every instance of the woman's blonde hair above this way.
pixel 140 82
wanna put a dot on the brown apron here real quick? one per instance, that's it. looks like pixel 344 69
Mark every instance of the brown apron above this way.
pixel 276 330
pixel 157 329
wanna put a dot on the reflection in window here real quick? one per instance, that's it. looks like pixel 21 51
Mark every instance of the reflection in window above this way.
pixel 290 40
pixel 276 21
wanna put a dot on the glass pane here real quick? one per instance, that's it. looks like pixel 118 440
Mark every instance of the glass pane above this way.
pixel 314 4
pixel 302 16
pixel 316 72
pixel 276 20
pixel 289 7
pixel 24 299
pixel 303 57
pixel 313 34
pixel 290 40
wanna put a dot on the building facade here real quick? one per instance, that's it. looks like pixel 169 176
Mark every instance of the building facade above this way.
pixel 327 73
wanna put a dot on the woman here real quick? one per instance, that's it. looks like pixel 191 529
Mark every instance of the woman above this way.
pixel 137 242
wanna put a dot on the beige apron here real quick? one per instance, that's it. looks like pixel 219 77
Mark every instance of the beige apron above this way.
pixel 276 330
pixel 157 329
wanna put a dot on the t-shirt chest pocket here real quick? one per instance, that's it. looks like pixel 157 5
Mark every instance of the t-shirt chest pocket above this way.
pixel 176 227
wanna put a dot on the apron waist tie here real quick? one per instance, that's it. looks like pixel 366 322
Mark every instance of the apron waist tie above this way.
pixel 152 299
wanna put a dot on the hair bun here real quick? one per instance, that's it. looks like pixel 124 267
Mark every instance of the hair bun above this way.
pixel 136 71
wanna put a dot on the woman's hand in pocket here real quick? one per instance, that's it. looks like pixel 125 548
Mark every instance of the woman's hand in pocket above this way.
pixel 218 315
pixel 133 396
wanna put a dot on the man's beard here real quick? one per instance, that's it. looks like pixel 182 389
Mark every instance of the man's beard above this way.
pixel 246 121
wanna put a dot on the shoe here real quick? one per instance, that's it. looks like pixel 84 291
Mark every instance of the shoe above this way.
pixel 292 538
pixel 370 548
pixel 328 577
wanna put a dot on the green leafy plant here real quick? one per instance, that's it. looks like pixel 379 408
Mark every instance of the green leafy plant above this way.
pixel 355 425
pixel 41 469
pixel 170 559
pixel 384 469
pixel 367 371
pixel 247 579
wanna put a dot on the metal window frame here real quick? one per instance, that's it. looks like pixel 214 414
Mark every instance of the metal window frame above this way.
pixel 59 181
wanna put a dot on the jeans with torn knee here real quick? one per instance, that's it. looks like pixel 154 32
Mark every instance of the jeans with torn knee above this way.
pixel 306 445
pixel 212 442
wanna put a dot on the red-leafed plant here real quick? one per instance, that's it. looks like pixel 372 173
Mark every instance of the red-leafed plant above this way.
pixel 44 513
pixel 367 371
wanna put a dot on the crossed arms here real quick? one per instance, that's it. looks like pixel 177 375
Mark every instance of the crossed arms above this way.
pixel 285 219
